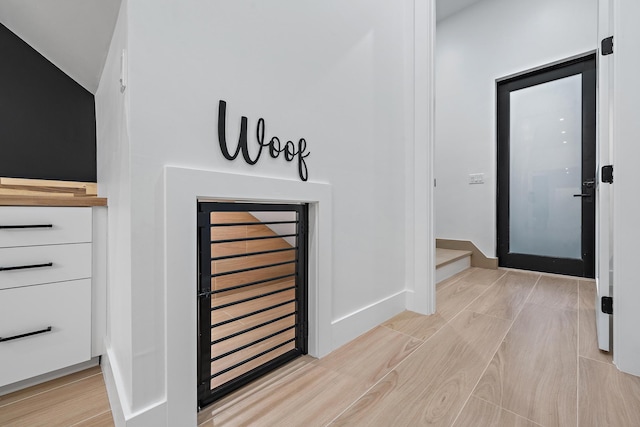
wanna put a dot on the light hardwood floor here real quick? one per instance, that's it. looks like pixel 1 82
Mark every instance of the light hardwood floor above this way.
pixel 78 400
pixel 506 348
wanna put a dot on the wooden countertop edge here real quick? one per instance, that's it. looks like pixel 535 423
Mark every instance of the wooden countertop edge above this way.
pixel 88 201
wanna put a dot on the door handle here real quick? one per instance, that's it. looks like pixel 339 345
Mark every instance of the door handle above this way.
pixel 588 186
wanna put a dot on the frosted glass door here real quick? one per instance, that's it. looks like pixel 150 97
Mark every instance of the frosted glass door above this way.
pixel 546 169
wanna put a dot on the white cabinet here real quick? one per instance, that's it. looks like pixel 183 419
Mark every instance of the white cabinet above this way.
pixel 29 226
pixel 45 290
pixel 59 317
pixel 34 265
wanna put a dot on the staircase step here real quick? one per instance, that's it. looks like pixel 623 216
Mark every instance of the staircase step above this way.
pixel 450 262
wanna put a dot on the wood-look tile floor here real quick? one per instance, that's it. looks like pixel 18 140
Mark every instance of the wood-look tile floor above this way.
pixel 506 348
pixel 78 400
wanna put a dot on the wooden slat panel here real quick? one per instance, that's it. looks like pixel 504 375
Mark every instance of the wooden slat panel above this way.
pixel 240 325
pixel 224 233
pixel 230 217
pixel 231 280
pixel 252 276
pixel 257 304
pixel 234 264
pixel 254 350
pixel 237 248
pixel 261 245
pixel 251 291
pixel 226 377
pixel 225 249
pixel 248 337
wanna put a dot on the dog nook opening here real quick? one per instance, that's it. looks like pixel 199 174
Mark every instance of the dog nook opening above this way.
pixel 252 292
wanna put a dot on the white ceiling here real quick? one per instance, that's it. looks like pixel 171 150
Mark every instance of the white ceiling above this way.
pixel 73 34
pixel 445 8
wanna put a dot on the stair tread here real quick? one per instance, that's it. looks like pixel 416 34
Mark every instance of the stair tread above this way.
pixel 447 256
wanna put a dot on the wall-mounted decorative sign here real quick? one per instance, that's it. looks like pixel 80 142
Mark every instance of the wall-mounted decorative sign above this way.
pixel 290 150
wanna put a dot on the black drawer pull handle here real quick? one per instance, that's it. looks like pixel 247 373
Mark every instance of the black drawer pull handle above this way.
pixel 28 334
pixel 23 267
pixel 13 227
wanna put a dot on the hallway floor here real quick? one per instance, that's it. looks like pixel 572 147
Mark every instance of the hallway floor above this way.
pixel 78 400
pixel 506 348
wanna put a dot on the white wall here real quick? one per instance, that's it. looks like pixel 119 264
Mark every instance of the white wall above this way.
pixel 489 40
pixel 333 72
pixel 114 178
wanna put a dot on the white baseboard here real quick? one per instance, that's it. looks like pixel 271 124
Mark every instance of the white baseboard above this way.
pixel 108 369
pixel 360 321
pixel 152 415
pixel 409 300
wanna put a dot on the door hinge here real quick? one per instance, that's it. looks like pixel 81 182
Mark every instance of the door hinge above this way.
pixel 606 46
pixel 607 174
pixel 607 305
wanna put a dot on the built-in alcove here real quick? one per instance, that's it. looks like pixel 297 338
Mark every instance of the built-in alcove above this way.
pixel 183 189
pixel 252 292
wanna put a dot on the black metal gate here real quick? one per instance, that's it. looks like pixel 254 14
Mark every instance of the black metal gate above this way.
pixel 252 292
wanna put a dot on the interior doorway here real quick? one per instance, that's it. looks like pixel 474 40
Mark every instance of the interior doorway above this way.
pixel 252 292
pixel 546 174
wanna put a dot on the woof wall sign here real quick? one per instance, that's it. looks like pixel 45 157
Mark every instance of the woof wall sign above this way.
pixel 289 150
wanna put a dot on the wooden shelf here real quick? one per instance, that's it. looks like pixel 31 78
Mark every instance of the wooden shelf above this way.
pixel 38 192
pixel 51 201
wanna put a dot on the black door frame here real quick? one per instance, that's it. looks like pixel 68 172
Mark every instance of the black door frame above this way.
pixel 585 267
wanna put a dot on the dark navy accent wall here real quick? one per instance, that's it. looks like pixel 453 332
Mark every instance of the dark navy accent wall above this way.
pixel 47 120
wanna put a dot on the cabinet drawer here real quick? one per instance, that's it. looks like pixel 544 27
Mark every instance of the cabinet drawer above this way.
pixel 27 226
pixel 65 307
pixel 68 262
